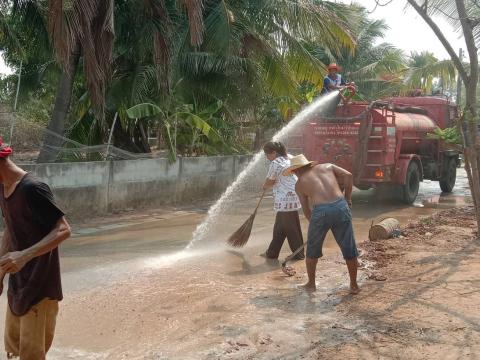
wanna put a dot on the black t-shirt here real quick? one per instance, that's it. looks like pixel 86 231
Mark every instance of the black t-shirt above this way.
pixel 30 213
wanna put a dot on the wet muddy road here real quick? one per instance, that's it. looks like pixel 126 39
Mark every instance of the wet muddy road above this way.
pixel 132 293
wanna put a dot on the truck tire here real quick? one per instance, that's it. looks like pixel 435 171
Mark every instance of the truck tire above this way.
pixel 412 183
pixel 448 182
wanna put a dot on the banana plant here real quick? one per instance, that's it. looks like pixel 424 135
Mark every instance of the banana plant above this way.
pixel 184 116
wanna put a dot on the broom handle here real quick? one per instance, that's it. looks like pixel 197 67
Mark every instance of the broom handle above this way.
pixel 291 256
pixel 260 200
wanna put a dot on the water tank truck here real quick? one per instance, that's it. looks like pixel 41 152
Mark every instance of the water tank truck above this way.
pixel 385 143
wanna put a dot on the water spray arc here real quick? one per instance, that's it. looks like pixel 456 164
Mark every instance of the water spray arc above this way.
pixel 231 193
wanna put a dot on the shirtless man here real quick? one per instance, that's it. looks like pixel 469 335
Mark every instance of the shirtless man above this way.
pixel 318 187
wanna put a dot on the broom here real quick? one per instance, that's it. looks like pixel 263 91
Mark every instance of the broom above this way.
pixel 240 237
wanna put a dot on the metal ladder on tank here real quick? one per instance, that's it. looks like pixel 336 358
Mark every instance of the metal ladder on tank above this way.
pixel 364 132
pixel 365 143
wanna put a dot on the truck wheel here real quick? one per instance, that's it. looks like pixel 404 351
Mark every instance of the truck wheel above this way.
pixel 412 183
pixel 448 181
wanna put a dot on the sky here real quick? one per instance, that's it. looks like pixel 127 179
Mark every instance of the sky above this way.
pixel 4 70
pixel 407 30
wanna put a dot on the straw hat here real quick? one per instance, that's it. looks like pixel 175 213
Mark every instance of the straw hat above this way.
pixel 297 162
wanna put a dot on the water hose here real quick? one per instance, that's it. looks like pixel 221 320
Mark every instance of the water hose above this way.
pixel 348 92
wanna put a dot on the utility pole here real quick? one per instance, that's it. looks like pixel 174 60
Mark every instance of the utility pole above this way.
pixel 12 125
pixel 459 80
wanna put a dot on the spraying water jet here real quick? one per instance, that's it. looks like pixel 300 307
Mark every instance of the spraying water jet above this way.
pixel 249 178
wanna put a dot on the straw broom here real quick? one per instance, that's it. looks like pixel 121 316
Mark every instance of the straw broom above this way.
pixel 240 237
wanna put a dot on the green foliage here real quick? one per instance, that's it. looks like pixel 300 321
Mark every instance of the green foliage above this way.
pixel 143 110
pixel 189 130
pixel 376 69
pixel 260 61
pixel 448 135
pixel 425 71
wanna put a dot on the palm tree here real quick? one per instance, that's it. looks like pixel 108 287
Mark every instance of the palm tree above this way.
pixel 258 51
pixel 254 52
pixel 266 43
pixel 382 70
pixel 144 50
pixel 250 50
pixel 84 29
pixel 376 69
pixel 80 29
pixel 424 69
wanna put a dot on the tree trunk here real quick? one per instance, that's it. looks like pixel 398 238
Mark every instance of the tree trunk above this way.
pixel 470 153
pixel 144 138
pixel 160 138
pixel 469 121
pixel 52 140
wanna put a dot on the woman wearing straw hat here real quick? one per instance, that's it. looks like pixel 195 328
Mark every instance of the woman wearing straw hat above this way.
pixel 286 203
pixel 318 186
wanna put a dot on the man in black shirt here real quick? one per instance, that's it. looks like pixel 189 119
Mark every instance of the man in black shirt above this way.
pixel 34 227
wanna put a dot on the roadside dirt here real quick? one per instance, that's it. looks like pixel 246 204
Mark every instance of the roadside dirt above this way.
pixel 422 299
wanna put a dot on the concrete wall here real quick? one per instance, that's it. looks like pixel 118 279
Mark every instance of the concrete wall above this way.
pixel 88 189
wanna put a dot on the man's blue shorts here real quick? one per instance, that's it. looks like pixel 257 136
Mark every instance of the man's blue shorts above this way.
pixel 335 216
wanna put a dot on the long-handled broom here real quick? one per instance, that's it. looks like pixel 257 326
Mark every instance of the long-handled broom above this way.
pixel 240 237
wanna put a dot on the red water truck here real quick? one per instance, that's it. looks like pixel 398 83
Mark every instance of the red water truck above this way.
pixel 385 144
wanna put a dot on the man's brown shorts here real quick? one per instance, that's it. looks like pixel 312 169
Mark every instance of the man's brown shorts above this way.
pixel 31 335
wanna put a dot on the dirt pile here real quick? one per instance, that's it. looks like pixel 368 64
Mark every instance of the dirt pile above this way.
pixel 427 230
pixel 427 306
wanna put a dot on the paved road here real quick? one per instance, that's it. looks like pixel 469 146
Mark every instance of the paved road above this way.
pixel 159 235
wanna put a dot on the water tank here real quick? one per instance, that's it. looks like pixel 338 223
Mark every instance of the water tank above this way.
pixel 410 129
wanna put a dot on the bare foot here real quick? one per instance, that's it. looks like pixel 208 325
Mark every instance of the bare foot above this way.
pixel 354 289
pixel 308 286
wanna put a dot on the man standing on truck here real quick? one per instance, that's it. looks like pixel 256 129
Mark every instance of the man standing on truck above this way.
pixel 333 81
pixel 34 227
pixel 319 186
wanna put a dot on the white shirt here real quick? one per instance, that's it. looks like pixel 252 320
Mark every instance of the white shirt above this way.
pixel 284 196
